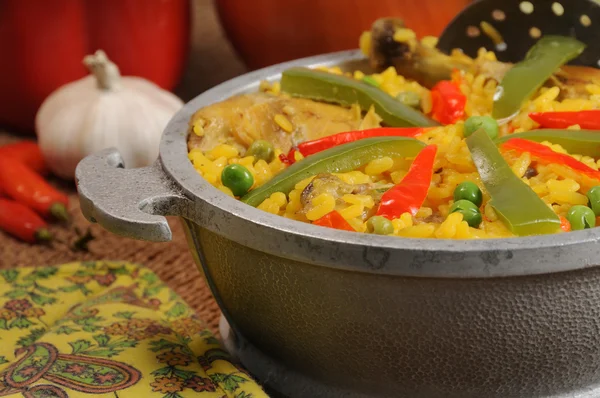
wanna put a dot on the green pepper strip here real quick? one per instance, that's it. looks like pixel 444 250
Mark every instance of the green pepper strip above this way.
pixel 527 76
pixel 338 159
pixel 517 205
pixel 582 142
pixel 328 87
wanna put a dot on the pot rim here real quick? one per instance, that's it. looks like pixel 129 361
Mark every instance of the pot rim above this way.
pixel 390 255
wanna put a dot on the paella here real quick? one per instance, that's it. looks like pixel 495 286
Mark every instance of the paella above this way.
pixel 429 145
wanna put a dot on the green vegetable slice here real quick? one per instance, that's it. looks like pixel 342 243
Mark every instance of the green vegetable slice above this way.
pixel 328 87
pixel 409 98
pixel 594 199
pixel 525 77
pixel 338 159
pixel 521 210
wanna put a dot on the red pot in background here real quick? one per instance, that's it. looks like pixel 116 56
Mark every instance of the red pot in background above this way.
pixel 267 32
pixel 42 45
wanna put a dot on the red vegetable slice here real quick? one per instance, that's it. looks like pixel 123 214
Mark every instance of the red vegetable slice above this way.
pixel 334 220
pixel 447 102
pixel 311 147
pixel 287 159
pixel 410 193
pixel 589 119
pixel 544 154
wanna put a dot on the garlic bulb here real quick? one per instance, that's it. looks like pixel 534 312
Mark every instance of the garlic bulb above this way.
pixel 100 111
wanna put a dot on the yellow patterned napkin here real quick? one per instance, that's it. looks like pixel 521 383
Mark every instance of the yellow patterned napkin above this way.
pixel 107 329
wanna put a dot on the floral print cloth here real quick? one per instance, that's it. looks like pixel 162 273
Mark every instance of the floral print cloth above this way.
pixel 107 329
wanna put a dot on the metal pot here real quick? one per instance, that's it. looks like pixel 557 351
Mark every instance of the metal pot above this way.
pixel 326 313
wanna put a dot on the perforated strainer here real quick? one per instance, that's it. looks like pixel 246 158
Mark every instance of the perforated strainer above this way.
pixel 511 27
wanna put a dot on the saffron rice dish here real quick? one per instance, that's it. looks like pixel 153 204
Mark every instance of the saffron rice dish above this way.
pixel 452 148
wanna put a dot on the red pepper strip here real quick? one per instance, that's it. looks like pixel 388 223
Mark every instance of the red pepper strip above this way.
pixel 27 152
pixel 447 102
pixel 287 159
pixel 22 222
pixel 545 154
pixel 311 147
pixel 589 120
pixel 334 220
pixel 410 193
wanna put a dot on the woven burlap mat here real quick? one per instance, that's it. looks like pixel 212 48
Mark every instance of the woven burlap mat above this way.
pixel 211 61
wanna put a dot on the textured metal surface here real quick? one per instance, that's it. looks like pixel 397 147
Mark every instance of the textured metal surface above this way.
pixel 283 382
pixel 520 29
pixel 390 336
pixel 126 201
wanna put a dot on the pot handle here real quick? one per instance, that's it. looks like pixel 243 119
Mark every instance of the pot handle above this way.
pixel 128 202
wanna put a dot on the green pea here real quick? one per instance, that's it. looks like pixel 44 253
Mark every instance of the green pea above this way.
pixel 487 123
pixel 370 80
pixel 581 217
pixel 594 199
pixel 237 178
pixel 380 225
pixel 469 211
pixel 409 98
pixel 468 191
pixel 261 149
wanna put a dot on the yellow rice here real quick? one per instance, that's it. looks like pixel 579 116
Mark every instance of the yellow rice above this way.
pixel 559 187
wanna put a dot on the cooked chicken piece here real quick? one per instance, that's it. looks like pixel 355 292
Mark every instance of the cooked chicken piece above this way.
pixel 573 80
pixel 326 183
pixel 428 65
pixel 333 185
pixel 242 119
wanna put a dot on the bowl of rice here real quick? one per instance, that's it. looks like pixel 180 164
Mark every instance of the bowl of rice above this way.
pixel 372 229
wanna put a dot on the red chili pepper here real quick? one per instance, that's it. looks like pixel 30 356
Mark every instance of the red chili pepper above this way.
pixel 22 222
pixel 311 147
pixel 291 156
pixel 410 193
pixel 27 152
pixel 544 154
pixel 334 220
pixel 26 186
pixel 447 102
pixel 565 225
pixel 561 120
pixel 285 159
